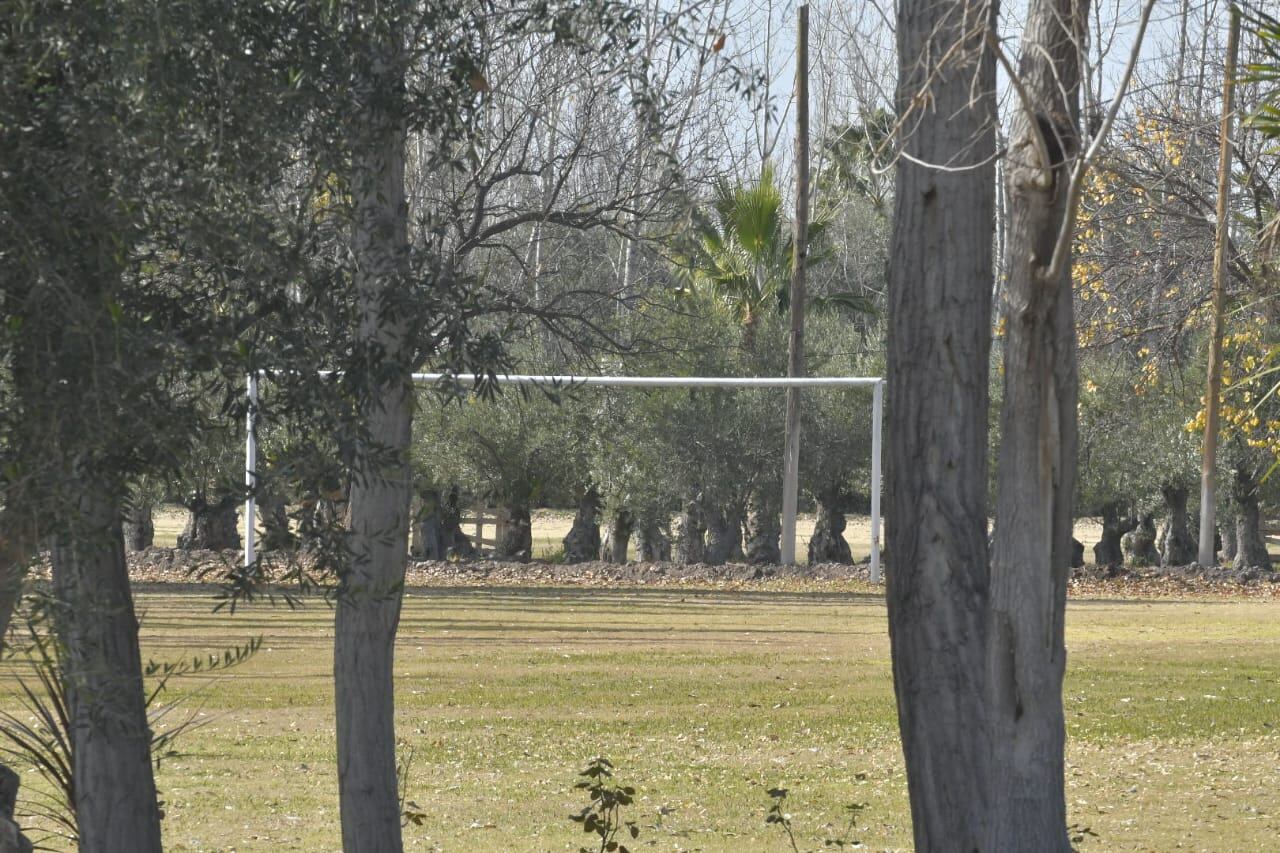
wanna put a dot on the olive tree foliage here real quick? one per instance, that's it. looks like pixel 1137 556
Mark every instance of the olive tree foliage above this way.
pixel 133 244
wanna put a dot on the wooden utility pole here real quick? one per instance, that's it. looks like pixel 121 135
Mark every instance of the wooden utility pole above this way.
pixel 799 258
pixel 1208 471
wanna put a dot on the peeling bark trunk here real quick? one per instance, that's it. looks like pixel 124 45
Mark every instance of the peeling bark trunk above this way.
pixel 1036 468
pixel 939 337
pixel 582 542
pixel 211 526
pixel 115 792
pixel 618 537
pixel 139 527
pixel 724 535
pixel 516 541
pixel 372 582
pixel 1177 546
pixel 691 532
pixel 763 535
pixel 1251 545
pixel 827 545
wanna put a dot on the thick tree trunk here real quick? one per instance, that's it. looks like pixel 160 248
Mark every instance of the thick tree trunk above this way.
pixel 115 792
pixel 653 544
pixel 1139 544
pixel 1251 545
pixel 763 539
pixel 691 532
pixel 430 540
pixel 724 535
pixel 211 526
pixel 828 545
pixel 939 339
pixel 371 585
pixel 139 527
pixel 617 537
pixel 1177 546
pixel 273 514
pixel 1036 469
pixel 1227 533
pixel 516 541
pixel 582 542
pixel 1114 526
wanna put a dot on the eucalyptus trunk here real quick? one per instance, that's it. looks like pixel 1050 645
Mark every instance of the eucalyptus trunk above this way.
pixel 115 791
pixel 1036 467
pixel 939 337
pixel 372 581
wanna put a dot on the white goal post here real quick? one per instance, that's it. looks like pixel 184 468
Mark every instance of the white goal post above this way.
pixel 876 383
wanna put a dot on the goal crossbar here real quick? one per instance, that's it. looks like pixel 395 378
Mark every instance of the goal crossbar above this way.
pixel 876 383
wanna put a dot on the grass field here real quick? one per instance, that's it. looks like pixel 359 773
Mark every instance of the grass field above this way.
pixel 704 700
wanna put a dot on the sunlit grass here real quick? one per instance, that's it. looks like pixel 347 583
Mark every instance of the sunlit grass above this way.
pixel 705 700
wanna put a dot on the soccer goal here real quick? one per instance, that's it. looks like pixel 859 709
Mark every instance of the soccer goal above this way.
pixel 876 384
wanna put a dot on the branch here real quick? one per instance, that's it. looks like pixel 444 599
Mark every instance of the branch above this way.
pixel 1062 248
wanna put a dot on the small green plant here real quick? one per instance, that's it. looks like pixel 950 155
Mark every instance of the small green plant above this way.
pixel 410 812
pixel 776 815
pixel 603 814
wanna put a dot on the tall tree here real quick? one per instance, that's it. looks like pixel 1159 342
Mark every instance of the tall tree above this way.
pixel 939 338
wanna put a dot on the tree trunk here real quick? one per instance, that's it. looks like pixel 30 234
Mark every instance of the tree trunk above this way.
pixel 115 792
pixel 763 529
pixel 1228 536
pixel 1139 544
pixel 211 526
pixel 1036 468
pixel 11 838
pixel 1178 547
pixel 724 535
pixel 691 532
pixel 618 537
pixel 273 513
pixel 1251 545
pixel 516 541
pixel 828 545
pixel 652 542
pixel 582 542
pixel 371 585
pixel 1114 526
pixel 939 334
pixel 430 540
pixel 139 527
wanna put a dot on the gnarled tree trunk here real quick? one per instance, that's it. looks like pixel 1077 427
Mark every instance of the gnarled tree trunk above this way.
pixel 1139 544
pixel 1114 526
pixel 516 541
pixel 1177 546
pixel 1227 534
pixel 582 542
pixel 1251 545
pixel 691 532
pixel 273 514
pixel 828 545
pixel 652 542
pixel 940 279
pixel 617 537
pixel 139 527
pixel 211 526
pixel 115 792
pixel 763 535
pixel 724 535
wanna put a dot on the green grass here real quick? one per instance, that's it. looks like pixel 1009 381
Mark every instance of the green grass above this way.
pixel 704 700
